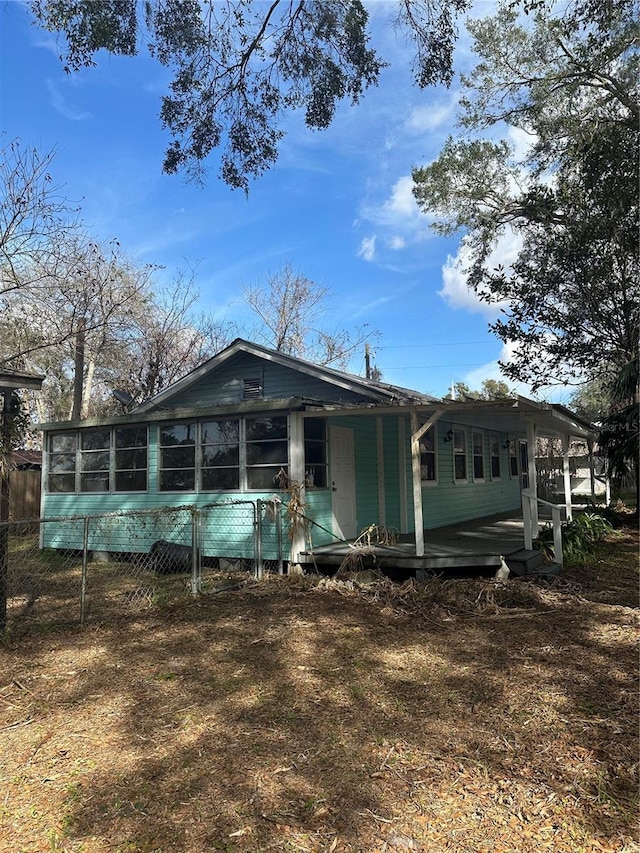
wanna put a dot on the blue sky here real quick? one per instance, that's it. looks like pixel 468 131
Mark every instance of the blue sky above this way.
pixel 337 206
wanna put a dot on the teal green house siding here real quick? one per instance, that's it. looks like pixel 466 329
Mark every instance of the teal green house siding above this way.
pixel 246 381
pixel 451 502
pixel 394 494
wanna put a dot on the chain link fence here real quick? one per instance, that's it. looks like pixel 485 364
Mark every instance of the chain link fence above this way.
pixel 65 570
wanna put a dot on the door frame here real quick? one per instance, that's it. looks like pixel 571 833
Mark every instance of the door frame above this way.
pixel 345 527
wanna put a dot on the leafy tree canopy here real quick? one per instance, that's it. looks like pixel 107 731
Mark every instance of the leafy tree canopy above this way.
pixel 565 79
pixel 491 389
pixel 239 65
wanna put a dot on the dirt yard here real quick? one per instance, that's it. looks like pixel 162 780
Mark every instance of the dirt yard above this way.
pixel 292 716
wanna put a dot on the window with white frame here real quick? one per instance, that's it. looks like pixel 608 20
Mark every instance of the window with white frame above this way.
pixel 494 453
pixel 428 462
pixel 460 455
pixel 477 444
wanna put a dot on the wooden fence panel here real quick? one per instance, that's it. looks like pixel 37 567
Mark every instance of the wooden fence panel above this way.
pixel 24 500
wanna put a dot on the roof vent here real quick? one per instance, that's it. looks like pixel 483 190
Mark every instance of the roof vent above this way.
pixel 251 389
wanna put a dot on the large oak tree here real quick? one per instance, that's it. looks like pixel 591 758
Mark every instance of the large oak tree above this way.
pixel 239 65
pixel 566 77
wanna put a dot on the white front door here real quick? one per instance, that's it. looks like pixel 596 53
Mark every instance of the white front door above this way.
pixel 343 482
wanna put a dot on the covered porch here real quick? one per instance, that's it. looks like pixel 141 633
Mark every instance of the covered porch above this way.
pixel 476 545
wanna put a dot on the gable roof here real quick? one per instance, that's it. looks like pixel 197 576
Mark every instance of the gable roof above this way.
pixel 377 392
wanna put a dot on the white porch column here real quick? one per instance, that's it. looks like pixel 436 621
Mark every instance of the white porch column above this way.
pixel 296 473
pixel 416 434
pixel 417 485
pixel 567 477
pixel 532 436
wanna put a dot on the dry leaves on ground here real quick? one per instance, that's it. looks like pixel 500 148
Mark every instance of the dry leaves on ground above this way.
pixel 458 716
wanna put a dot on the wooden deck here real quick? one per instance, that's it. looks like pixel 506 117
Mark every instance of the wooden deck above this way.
pixel 474 545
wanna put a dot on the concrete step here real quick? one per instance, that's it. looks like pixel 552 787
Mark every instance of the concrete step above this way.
pixel 526 563
pixel 523 562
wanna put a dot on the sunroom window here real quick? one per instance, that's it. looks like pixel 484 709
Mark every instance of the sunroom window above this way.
pixel 130 459
pixel 95 457
pixel 220 455
pixel 178 457
pixel 267 450
pixel 106 459
pixel 62 462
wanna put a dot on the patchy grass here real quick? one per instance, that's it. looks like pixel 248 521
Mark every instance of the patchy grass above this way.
pixel 292 716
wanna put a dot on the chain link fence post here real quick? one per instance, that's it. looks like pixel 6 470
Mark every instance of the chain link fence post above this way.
pixel 85 562
pixel 258 539
pixel 278 512
pixel 196 577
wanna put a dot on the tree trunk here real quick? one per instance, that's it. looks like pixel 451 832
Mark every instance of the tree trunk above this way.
pixel 88 383
pixel 78 372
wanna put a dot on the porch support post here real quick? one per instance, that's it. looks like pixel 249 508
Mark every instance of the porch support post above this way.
pixel 296 474
pixel 416 434
pixel 592 471
pixel 567 477
pixel 532 438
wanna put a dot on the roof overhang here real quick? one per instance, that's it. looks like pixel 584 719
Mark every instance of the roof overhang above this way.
pixel 247 407
pixel 14 379
pixel 550 419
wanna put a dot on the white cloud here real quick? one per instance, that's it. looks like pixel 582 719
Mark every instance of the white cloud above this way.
pixel 368 308
pixel 399 215
pixel 367 248
pixel 521 141
pixel 456 291
pixel 60 105
pixel 491 370
pixel 429 117
pixel 401 204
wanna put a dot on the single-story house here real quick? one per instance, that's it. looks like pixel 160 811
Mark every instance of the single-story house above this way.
pixel 251 421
